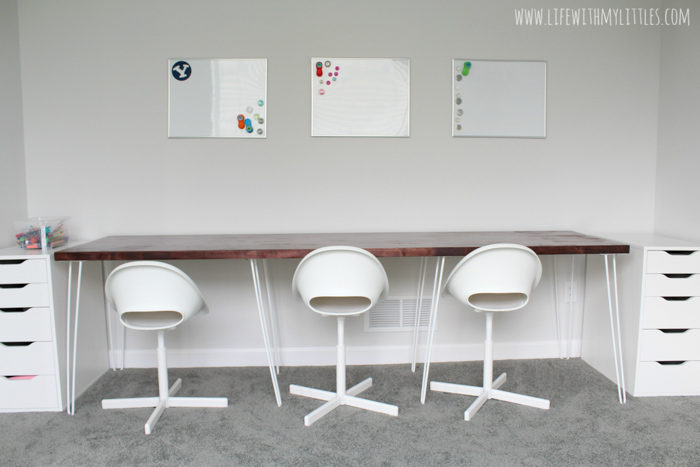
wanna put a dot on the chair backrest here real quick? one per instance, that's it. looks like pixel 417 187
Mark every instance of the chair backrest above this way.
pixel 498 277
pixel 151 295
pixel 340 280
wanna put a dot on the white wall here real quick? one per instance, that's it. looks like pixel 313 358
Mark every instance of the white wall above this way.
pixel 678 164
pixel 13 186
pixel 95 103
pixel 95 106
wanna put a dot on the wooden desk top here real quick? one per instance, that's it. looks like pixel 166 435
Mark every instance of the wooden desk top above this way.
pixel 256 246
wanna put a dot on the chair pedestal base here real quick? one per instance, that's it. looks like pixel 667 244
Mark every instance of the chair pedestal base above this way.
pixel 484 393
pixel 161 404
pixel 334 400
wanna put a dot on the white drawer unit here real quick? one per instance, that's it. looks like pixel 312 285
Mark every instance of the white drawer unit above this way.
pixel 29 368
pixel 659 295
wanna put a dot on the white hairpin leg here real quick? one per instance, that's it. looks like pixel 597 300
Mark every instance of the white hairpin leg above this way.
pixel 437 285
pixel 263 322
pixel 273 320
pixel 571 311
pixel 615 323
pixel 71 366
pixel 556 306
pixel 419 309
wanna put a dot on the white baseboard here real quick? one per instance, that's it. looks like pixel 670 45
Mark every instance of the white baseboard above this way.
pixel 318 356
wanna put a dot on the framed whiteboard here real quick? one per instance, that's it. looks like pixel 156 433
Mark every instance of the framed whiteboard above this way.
pixel 500 99
pixel 360 96
pixel 219 98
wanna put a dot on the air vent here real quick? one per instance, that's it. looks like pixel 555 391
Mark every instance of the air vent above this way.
pixel 396 314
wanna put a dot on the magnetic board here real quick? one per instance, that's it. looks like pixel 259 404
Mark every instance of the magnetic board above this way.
pixel 503 99
pixel 360 96
pixel 217 98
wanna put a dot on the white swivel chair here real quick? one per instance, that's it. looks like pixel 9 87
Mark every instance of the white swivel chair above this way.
pixel 340 281
pixel 155 296
pixel 491 279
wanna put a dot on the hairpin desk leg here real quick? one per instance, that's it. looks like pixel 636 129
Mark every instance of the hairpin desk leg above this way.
pixel 263 322
pixel 437 285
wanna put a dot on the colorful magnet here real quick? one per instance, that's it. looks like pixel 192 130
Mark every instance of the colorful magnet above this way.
pixel 460 112
pixel 458 77
pixel 261 121
pixel 328 83
pixel 328 63
pixel 321 91
pixel 337 68
pixel 256 116
pixel 467 66
pixel 241 123
pixel 260 131
pixel 261 103
pixel 458 100
pixel 319 69
pixel 249 109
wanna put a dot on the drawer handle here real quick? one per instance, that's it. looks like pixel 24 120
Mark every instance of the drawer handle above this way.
pixel 14 310
pixel 12 286
pixel 676 299
pixel 16 344
pixel 680 252
pixel 678 276
pixel 673 331
pixel 21 377
pixel 671 362
pixel 12 261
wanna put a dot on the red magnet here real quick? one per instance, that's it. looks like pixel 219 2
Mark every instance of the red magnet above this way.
pixel 241 122
pixel 319 69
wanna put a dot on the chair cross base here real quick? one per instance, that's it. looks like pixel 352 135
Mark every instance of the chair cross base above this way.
pixel 166 397
pixel 485 393
pixel 335 400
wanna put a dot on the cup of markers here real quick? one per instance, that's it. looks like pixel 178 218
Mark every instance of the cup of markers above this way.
pixel 31 232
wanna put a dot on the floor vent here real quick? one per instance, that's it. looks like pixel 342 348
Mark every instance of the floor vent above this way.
pixel 396 314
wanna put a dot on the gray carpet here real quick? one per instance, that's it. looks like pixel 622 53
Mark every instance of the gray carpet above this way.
pixel 585 425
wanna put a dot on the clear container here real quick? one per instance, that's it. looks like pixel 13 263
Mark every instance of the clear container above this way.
pixel 52 230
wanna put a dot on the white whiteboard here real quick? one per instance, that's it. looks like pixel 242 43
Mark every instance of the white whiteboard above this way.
pixel 360 97
pixel 499 98
pixel 220 98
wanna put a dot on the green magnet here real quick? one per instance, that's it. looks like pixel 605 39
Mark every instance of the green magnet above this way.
pixel 465 70
pixel 260 103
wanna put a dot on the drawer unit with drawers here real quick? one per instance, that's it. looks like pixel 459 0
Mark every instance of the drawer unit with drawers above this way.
pixel 29 368
pixel 659 296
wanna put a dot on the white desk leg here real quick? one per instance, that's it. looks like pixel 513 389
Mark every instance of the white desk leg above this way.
pixel 273 321
pixel 615 321
pixel 263 323
pixel 571 311
pixel 71 369
pixel 108 320
pixel 419 308
pixel 437 285
pixel 556 305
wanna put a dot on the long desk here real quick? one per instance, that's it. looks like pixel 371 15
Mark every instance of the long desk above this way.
pixel 259 247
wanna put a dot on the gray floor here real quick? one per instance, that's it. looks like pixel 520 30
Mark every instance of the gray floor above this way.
pixel 585 425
